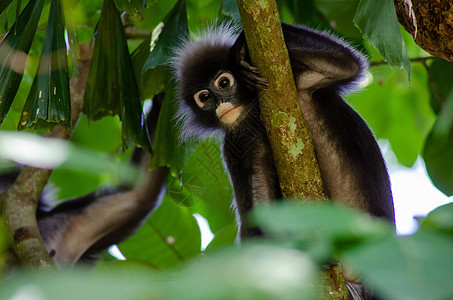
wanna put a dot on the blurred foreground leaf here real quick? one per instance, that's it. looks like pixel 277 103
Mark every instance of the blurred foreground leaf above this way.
pixel 50 153
pixel 320 230
pixel 252 272
pixel 13 53
pixel 66 284
pixel 438 152
pixel 48 103
pixel 440 219
pixel 440 82
pixel 416 267
pixel 410 267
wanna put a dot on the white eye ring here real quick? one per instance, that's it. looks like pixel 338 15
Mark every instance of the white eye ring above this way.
pixel 222 76
pixel 201 97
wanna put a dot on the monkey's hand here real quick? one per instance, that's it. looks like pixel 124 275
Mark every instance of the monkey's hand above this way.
pixel 248 73
pixel 251 76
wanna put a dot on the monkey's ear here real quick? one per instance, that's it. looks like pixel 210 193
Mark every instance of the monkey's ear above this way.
pixel 242 66
pixel 239 51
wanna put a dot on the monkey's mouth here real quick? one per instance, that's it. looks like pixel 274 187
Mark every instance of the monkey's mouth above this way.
pixel 227 113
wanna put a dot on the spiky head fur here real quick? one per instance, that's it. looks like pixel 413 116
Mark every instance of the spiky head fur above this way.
pixel 195 63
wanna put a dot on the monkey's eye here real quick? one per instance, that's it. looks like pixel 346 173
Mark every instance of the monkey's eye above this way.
pixel 224 80
pixel 201 97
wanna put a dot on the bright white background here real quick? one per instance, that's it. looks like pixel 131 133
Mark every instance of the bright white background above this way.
pixel 413 195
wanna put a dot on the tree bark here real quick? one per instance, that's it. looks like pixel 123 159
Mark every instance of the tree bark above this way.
pixel 293 150
pixel 430 23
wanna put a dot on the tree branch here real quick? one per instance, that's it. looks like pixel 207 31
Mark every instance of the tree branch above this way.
pixel 423 61
pixel 19 202
pixel 131 31
pixel 416 59
pixel 19 211
pixel 294 156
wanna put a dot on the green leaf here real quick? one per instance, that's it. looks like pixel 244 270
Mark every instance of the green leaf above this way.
pixel 230 11
pixel 378 23
pixel 133 7
pixel 397 111
pixel 169 237
pixel 112 88
pixel 48 103
pixel 339 15
pixel 167 147
pixel 205 168
pixel 13 53
pixel 103 135
pixel 174 28
pixel 138 58
pixel 223 238
pixel 261 272
pixel 416 267
pixel 4 4
pixel 301 12
pixel 440 219
pixel 69 6
pixel 322 231
pixel 68 184
pixel 154 80
pixel 440 82
pixel 438 152
pixel 66 284
pixel 251 272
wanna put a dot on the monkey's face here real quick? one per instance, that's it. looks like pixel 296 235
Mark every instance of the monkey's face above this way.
pixel 222 100
pixel 213 95
pixel 219 99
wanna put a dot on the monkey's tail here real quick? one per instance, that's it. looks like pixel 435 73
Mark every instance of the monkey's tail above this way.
pixel 358 291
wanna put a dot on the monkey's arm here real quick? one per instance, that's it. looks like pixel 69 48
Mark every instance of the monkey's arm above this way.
pixel 351 164
pixel 349 158
pixel 252 172
pixel 319 60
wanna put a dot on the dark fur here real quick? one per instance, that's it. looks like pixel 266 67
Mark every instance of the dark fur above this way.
pixel 351 164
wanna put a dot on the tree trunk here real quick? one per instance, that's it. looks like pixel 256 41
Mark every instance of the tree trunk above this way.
pixel 293 150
